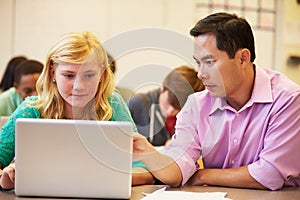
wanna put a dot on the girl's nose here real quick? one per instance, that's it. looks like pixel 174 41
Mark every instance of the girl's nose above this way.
pixel 78 84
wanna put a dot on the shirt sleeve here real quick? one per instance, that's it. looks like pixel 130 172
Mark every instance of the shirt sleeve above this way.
pixel 185 147
pixel 278 162
pixel 120 110
pixel 121 113
pixel 7 136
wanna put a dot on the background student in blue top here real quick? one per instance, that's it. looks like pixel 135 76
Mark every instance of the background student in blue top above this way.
pixel 26 75
pixel 76 83
pixel 7 80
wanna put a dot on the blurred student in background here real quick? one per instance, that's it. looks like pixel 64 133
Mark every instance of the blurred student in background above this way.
pixel 8 76
pixel 126 93
pixel 26 74
pixel 155 112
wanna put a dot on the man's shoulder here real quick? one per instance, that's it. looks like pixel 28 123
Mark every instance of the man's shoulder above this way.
pixel 282 90
pixel 280 83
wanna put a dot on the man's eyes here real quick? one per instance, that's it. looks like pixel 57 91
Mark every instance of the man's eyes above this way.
pixel 207 62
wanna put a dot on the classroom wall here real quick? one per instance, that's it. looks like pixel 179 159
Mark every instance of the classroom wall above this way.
pixel 6 33
pixel 291 39
pixel 30 27
pixel 35 25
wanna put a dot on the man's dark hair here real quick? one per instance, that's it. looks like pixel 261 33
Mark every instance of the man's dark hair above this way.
pixel 232 32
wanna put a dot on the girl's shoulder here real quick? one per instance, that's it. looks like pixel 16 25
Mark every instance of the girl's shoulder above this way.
pixel 28 108
pixel 115 96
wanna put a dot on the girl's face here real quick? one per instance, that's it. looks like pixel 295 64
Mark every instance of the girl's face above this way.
pixel 77 83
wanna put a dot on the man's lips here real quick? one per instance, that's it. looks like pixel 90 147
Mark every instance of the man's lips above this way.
pixel 209 86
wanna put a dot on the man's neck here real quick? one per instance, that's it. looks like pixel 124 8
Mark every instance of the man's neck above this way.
pixel 245 91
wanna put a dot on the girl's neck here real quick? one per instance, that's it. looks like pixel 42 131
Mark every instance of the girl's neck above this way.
pixel 74 113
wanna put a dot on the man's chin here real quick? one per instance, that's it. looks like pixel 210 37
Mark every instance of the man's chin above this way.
pixel 215 94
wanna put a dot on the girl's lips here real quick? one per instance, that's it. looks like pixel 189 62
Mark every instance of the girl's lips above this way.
pixel 79 95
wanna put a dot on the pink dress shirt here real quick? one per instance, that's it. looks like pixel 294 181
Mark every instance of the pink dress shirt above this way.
pixel 263 135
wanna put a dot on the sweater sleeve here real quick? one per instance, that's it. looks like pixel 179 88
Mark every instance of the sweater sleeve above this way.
pixel 7 136
pixel 122 113
pixel 120 110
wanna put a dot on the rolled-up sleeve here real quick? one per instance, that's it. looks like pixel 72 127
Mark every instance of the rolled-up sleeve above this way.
pixel 185 147
pixel 279 164
pixel 266 174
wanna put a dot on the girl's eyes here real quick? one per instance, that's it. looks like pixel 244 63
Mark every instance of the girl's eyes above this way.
pixel 68 76
pixel 86 76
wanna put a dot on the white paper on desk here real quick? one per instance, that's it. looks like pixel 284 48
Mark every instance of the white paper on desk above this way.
pixel 162 194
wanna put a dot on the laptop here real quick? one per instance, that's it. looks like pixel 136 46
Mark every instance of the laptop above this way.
pixel 73 158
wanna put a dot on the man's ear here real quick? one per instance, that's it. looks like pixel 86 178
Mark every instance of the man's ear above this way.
pixel 245 56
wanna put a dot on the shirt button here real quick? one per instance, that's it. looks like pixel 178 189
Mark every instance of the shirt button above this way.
pixel 237 114
pixel 235 141
pixel 233 161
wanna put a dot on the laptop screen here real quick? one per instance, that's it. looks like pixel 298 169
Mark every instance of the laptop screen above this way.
pixel 73 158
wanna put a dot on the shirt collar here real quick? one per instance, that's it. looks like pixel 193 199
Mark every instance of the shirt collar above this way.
pixel 262 93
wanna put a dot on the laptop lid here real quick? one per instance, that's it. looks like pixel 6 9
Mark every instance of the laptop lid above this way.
pixel 73 158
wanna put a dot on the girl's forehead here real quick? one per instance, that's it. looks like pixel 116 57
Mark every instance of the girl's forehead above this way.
pixel 78 67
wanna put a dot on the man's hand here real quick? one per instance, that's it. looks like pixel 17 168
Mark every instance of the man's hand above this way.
pixel 141 147
pixel 162 167
pixel 232 177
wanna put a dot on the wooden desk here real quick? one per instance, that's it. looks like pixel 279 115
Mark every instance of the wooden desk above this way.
pixel 232 193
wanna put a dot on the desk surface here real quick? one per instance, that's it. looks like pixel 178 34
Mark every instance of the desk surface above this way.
pixel 232 193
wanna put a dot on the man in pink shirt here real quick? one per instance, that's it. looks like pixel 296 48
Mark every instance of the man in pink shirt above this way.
pixel 246 125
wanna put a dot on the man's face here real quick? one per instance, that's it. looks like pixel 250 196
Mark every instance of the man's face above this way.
pixel 27 85
pixel 220 74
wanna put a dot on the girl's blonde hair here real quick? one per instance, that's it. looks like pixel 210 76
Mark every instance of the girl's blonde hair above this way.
pixel 75 48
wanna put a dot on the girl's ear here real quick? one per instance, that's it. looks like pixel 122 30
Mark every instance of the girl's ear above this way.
pixel 52 72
